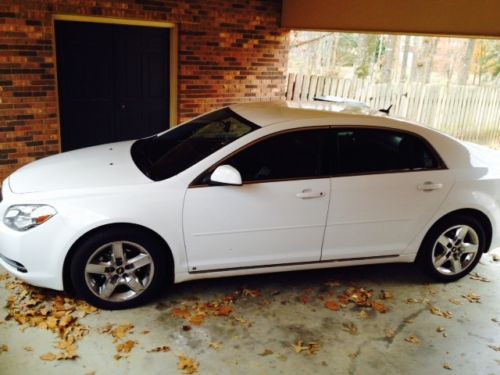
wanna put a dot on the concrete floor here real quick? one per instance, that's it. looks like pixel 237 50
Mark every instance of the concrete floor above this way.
pixel 257 336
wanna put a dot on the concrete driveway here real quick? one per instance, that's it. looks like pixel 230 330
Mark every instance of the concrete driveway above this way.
pixel 379 319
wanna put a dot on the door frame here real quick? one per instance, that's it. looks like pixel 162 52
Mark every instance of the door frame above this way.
pixel 173 56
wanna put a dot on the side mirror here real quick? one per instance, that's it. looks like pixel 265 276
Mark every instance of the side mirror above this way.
pixel 226 175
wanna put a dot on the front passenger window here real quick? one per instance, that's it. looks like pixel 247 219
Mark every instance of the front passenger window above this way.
pixel 288 156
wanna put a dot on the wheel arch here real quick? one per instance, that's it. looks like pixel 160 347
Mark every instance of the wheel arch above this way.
pixel 67 284
pixel 480 216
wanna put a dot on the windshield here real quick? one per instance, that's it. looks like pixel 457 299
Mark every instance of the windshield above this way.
pixel 165 155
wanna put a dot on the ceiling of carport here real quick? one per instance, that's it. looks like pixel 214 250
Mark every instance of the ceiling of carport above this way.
pixel 478 18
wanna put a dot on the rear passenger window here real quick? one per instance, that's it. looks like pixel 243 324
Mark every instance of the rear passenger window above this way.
pixel 371 151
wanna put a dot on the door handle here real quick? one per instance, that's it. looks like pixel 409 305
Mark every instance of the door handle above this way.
pixel 429 186
pixel 308 194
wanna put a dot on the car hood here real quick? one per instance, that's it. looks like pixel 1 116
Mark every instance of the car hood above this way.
pixel 98 166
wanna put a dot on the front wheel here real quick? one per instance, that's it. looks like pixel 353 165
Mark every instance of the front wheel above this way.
pixel 452 248
pixel 118 269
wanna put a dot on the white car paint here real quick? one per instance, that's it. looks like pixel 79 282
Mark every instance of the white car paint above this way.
pixel 220 227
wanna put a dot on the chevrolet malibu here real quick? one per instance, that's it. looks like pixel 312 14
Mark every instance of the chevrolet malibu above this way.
pixel 248 189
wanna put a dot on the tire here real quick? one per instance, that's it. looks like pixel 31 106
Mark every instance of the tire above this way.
pixel 452 248
pixel 119 268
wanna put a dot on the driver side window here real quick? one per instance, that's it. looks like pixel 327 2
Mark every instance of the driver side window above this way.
pixel 292 155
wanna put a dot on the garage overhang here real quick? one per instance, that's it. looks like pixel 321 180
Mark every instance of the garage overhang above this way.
pixel 445 17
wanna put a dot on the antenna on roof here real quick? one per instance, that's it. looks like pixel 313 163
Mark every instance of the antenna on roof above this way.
pixel 387 110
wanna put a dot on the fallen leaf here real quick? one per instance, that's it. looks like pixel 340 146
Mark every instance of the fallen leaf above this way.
pixel 197 319
pixel 304 299
pixel 120 331
pixel 126 347
pixel 413 300
pixel 389 333
pixel 447 366
pixel 181 313
pixel 332 305
pixel 440 329
pixel 312 348
pixel 298 347
pixel 472 298
pixel 117 357
pixel 385 294
pixel 456 301
pixel 48 357
pixel 223 311
pixel 437 311
pixel 160 349
pixel 412 339
pixel 28 348
pixel 476 276
pixel 495 348
pixel 4 348
pixel 363 314
pixel 215 345
pixel 266 353
pixel 187 365
pixel 350 327
pixel 379 307
pixel 251 292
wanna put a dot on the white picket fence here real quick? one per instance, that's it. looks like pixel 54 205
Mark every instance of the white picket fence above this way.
pixel 467 112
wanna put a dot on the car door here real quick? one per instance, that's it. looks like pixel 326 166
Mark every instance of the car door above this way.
pixel 276 217
pixel 386 187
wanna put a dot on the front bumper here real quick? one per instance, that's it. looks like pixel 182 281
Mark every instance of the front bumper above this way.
pixel 34 255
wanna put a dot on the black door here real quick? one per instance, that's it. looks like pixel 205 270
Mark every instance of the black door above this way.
pixel 113 82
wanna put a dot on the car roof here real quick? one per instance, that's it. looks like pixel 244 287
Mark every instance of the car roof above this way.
pixel 451 150
pixel 272 112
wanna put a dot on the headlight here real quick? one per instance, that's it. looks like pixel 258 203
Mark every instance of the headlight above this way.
pixel 27 216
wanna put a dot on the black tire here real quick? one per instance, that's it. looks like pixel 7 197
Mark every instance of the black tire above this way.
pixel 98 250
pixel 429 253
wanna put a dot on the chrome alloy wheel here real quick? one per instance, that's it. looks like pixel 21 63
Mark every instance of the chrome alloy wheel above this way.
pixel 119 271
pixel 455 250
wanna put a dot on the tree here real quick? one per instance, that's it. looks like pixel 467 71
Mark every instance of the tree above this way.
pixel 465 63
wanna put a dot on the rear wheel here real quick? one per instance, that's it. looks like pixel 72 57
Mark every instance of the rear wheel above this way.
pixel 452 248
pixel 117 268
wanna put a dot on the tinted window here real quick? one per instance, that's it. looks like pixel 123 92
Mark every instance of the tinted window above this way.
pixel 367 150
pixel 170 153
pixel 293 155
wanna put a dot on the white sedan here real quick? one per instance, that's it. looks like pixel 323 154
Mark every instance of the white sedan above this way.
pixel 247 189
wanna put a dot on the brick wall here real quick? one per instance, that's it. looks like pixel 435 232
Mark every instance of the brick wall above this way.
pixel 229 51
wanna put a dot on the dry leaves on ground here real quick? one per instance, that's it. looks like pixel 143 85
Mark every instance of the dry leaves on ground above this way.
pixel 350 327
pixel 160 349
pixel 472 298
pixel 215 345
pixel 363 297
pixel 312 348
pixel 332 305
pixel 389 333
pixel 495 348
pixel 33 307
pixel 456 301
pixel 126 347
pixel 447 366
pixel 251 292
pixel 478 277
pixel 437 311
pixel 385 294
pixel 266 353
pixel 412 339
pixel 187 365
pixel 198 311
pixel 4 348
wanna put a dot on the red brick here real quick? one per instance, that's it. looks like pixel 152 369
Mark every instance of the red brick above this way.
pixel 229 51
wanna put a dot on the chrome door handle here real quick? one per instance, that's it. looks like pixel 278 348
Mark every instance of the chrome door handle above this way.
pixel 429 186
pixel 308 194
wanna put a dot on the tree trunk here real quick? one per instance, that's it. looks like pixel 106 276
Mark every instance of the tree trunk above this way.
pixel 463 72
pixel 404 62
pixel 386 73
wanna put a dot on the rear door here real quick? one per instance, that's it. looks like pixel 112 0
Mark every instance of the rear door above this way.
pixel 386 187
